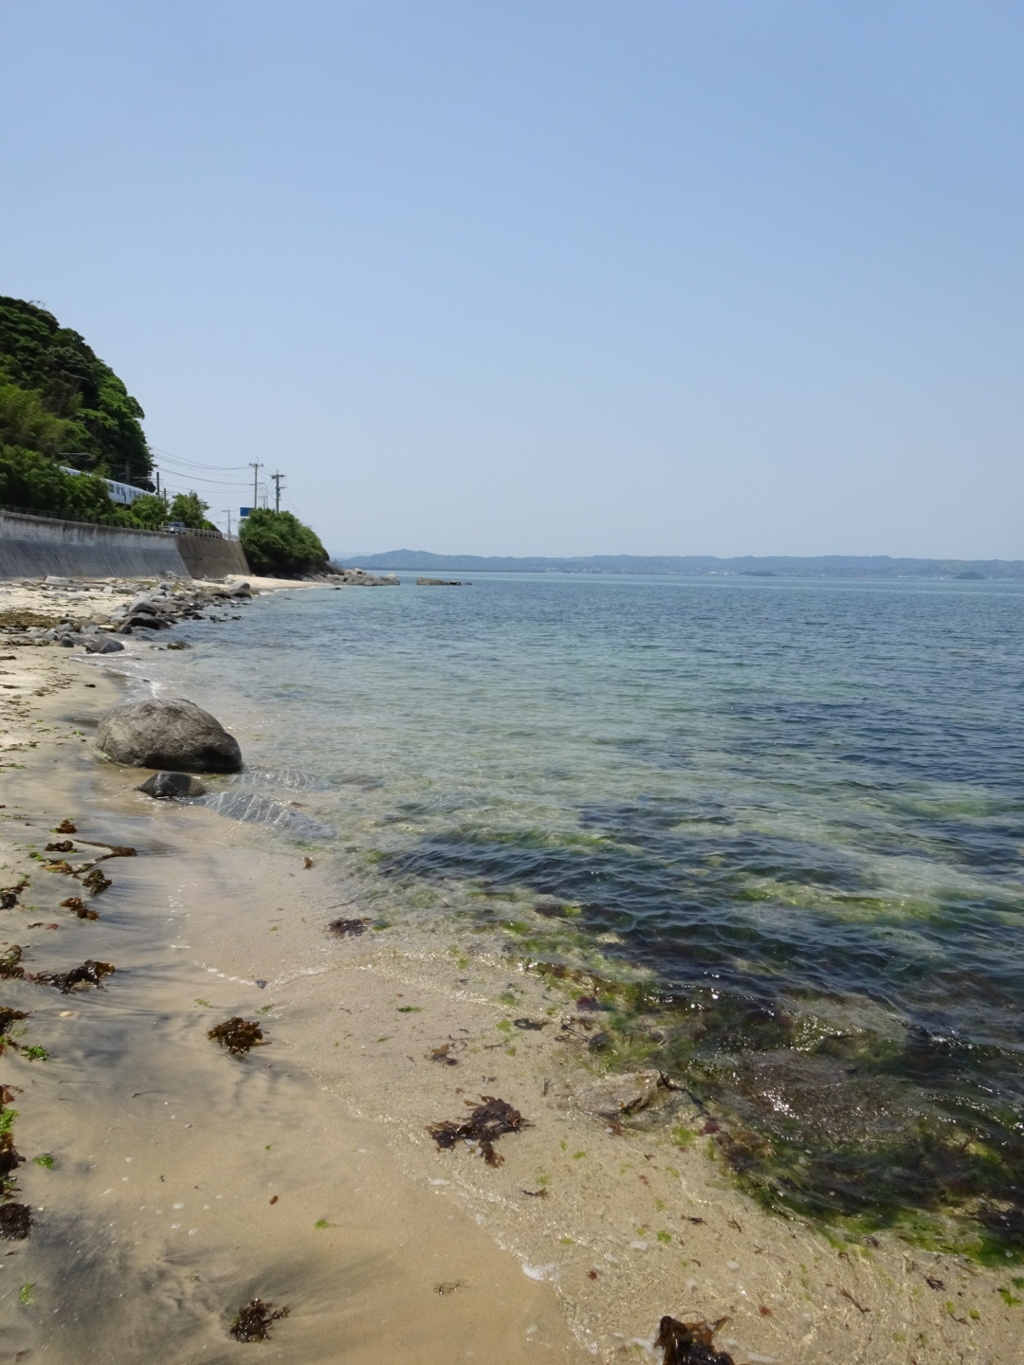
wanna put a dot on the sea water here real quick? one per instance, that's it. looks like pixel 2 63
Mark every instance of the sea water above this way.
pixel 779 821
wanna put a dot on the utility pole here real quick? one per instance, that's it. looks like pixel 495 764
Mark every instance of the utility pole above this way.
pixel 277 491
pixel 255 482
pixel 227 513
pixel 157 473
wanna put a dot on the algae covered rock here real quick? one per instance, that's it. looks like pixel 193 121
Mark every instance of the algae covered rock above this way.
pixel 174 734
pixel 624 1094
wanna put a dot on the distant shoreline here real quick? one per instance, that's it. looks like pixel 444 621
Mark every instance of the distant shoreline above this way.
pixel 744 566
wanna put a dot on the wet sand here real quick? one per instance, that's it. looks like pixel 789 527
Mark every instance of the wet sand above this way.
pixel 186 1181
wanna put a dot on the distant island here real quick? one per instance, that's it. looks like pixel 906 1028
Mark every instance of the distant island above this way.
pixel 749 566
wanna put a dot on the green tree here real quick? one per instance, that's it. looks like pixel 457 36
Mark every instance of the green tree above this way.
pixel 149 512
pixel 26 422
pixel 33 482
pixel 103 423
pixel 189 509
pixel 277 543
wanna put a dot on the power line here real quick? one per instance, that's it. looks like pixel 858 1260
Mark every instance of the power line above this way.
pixel 195 478
pixel 197 464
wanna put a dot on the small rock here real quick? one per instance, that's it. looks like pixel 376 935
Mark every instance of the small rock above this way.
pixel 102 644
pixel 619 1095
pixel 172 786
pixel 144 621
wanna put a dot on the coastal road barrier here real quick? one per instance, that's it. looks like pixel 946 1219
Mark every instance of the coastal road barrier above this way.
pixel 31 547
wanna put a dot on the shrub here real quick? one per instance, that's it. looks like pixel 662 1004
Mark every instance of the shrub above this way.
pixel 277 543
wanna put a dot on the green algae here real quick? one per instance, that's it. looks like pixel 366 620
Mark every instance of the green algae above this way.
pixel 850 1128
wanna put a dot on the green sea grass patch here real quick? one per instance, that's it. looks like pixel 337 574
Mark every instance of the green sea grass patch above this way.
pixel 826 1101
pixel 839 1127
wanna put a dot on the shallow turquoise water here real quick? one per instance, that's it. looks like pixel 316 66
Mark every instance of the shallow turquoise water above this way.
pixel 798 804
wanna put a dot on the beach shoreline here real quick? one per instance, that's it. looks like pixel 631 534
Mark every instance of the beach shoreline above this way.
pixel 585 1234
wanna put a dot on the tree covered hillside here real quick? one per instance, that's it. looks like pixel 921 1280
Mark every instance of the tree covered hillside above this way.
pixel 58 398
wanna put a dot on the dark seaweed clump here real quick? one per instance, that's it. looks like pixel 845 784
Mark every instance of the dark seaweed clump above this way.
pixel 10 1157
pixel 15 1222
pixel 79 907
pixel 485 1125
pixel 9 894
pixel 346 928
pixel 90 973
pixel 252 1321
pixel 691 1343
pixel 10 963
pixel 238 1035
pixel 9 1017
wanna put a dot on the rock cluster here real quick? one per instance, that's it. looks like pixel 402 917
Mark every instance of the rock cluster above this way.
pixel 359 578
pixel 146 613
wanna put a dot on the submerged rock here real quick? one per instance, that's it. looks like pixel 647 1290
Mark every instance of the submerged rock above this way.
pixel 253 808
pixel 171 786
pixel 620 1095
pixel 177 735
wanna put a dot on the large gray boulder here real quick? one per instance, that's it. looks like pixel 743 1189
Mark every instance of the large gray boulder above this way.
pixel 168 734
pixel 102 644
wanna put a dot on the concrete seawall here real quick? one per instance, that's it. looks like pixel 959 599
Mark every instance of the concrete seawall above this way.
pixel 211 556
pixel 31 547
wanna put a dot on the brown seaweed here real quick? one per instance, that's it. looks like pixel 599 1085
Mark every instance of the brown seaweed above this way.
pixel 79 907
pixel 238 1035
pixel 96 881
pixel 442 1054
pixel 344 928
pixel 485 1125
pixel 61 846
pixel 9 1017
pixel 691 1343
pixel 10 963
pixel 9 894
pixel 15 1222
pixel 10 1159
pixel 113 850
pixel 252 1321
pixel 90 972
pixel 66 827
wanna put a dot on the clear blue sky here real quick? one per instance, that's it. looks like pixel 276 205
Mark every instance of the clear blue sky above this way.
pixel 546 276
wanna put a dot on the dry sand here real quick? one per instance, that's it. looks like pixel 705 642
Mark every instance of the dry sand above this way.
pixel 186 1181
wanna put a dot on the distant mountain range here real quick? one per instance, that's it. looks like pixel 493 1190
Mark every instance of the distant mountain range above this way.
pixel 750 566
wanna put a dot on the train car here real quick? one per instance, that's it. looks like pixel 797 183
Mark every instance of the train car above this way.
pixel 124 494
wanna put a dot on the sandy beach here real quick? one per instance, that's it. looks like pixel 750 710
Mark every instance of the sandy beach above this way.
pixel 177 1181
